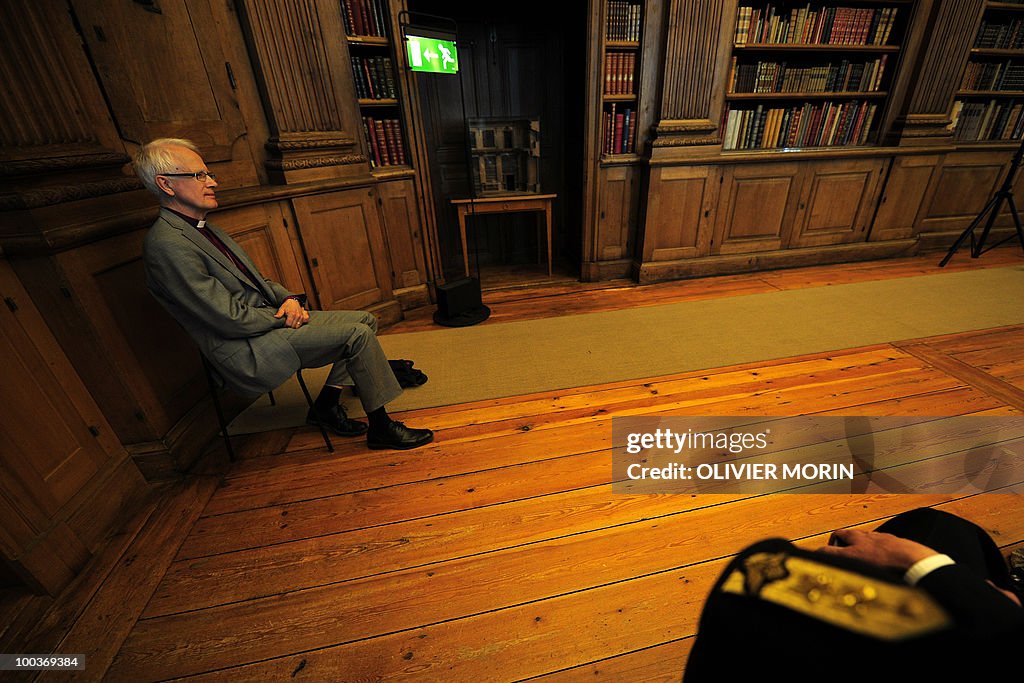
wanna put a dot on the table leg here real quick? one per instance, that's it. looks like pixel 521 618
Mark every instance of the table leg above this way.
pixel 462 235
pixel 547 215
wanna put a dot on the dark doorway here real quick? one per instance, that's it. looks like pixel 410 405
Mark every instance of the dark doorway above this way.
pixel 524 60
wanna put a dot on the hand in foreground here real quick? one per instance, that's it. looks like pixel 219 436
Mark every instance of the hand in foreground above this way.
pixel 882 549
pixel 295 316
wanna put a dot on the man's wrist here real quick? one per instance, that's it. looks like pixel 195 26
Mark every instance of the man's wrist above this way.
pixel 923 567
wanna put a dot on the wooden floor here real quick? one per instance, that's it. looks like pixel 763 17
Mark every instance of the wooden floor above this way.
pixel 500 553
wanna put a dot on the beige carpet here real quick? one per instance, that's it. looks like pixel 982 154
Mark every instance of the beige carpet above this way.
pixel 495 360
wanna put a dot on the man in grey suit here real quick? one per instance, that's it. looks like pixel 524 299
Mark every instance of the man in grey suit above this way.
pixel 252 330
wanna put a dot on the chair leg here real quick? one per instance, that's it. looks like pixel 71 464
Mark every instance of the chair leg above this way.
pixel 270 395
pixel 309 400
pixel 215 393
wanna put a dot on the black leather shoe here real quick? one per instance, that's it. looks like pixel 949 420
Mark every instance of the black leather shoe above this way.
pixel 336 420
pixel 396 435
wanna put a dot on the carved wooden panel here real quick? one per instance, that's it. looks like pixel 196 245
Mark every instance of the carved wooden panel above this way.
pixel 947 46
pixel 166 75
pixel 403 233
pixel 680 204
pixel 300 57
pixel 696 54
pixel 755 208
pixel 52 110
pixel 837 202
pixel 345 248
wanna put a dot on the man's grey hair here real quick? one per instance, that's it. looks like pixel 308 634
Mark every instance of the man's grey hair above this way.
pixel 156 157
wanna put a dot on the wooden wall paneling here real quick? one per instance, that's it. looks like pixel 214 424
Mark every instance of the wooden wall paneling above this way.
pixel 301 62
pixel 756 207
pixel 838 202
pixel 52 113
pixel 961 186
pixel 57 450
pixel 903 197
pixel 132 48
pixel 403 236
pixel 932 62
pixel 681 203
pixel 698 44
pixel 345 247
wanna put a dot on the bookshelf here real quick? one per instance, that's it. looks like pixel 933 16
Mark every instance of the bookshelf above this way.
pixel 811 74
pixel 374 72
pixel 989 105
pixel 620 77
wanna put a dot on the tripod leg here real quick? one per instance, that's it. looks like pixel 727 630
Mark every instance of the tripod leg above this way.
pixel 976 248
pixel 1016 222
pixel 992 205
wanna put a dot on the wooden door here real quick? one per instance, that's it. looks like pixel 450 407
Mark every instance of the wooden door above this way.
pixel 680 207
pixel 756 207
pixel 837 203
pixel 164 70
pixel 345 248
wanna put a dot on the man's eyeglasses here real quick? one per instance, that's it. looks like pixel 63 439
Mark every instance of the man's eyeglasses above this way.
pixel 201 176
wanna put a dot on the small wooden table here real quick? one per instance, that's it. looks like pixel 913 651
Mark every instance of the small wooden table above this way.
pixel 503 204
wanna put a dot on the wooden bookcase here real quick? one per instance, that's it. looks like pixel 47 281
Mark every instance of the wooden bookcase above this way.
pixel 375 74
pixel 811 74
pixel 621 77
pixel 989 105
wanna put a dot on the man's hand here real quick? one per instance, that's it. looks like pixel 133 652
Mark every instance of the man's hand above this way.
pixel 295 316
pixel 884 550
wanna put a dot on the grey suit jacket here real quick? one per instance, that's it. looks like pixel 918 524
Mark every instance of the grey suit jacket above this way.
pixel 229 317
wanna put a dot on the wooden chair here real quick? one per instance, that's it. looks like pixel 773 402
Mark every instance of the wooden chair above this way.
pixel 216 384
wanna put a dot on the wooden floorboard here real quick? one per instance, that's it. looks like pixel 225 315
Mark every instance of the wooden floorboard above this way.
pixel 501 552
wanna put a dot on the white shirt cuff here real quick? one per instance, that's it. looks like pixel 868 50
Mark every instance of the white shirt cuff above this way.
pixel 923 568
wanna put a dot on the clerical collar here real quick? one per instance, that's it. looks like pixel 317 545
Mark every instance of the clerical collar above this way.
pixel 194 222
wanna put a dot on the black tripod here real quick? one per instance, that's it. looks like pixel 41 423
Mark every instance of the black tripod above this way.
pixel 1005 193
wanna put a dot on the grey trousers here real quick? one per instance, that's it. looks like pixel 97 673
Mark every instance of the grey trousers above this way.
pixel 348 339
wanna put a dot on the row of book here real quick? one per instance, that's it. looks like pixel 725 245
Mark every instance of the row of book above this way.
pixel 623 21
pixel 365 17
pixel 1001 36
pixel 810 125
pixel 993 120
pixel 993 76
pixel 619 131
pixel 375 78
pixel 780 77
pixel 619 68
pixel 384 140
pixel 804 26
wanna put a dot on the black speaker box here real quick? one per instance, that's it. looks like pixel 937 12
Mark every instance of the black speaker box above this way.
pixel 459 303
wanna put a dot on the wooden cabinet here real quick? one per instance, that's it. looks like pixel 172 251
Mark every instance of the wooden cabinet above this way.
pixel 756 207
pixel 613 243
pixel 680 212
pixel 345 248
pixel 903 197
pixel 961 187
pixel 57 450
pixel 837 203
pixel 403 235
